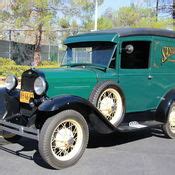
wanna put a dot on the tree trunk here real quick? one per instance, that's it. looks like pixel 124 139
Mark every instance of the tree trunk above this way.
pixel 173 13
pixel 37 52
pixel 157 9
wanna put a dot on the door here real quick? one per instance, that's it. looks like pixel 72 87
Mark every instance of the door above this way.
pixel 135 77
pixel 163 68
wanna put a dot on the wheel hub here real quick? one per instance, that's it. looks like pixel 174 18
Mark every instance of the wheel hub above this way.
pixel 107 106
pixel 64 138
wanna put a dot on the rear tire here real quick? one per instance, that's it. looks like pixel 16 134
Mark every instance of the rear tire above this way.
pixel 63 139
pixel 169 126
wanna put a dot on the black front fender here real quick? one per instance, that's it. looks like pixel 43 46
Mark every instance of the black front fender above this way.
pixel 92 115
pixel 9 102
pixel 2 100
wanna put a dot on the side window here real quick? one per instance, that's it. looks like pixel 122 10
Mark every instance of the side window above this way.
pixel 135 54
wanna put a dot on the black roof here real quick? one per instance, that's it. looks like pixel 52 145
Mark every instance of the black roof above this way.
pixel 123 32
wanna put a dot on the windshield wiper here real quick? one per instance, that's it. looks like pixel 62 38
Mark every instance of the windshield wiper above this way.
pixel 100 67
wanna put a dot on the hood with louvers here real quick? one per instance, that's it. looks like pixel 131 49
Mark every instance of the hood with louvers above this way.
pixel 72 81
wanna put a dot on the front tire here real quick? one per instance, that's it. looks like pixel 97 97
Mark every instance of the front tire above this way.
pixel 169 126
pixel 63 139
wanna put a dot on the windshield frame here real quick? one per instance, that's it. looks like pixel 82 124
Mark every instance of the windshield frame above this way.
pixel 90 64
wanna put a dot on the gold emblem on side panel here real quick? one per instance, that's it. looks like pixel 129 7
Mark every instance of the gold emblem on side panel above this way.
pixel 167 52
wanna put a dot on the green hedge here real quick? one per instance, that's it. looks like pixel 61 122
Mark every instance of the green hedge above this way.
pixel 8 67
pixel 50 63
pixel 6 62
pixel 13 69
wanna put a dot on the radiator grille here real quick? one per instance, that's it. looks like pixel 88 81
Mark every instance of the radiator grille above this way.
pixel 27 81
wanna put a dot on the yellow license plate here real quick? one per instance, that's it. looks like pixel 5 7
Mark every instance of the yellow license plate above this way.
pixel 26 96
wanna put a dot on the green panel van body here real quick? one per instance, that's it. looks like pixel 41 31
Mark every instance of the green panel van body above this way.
pixel 110 81
pixel 143 89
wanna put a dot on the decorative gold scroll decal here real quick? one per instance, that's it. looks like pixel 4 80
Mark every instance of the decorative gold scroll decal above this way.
pixel 167 52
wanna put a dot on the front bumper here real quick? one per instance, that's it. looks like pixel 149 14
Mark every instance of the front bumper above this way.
pixel 9 108
pixel 19 130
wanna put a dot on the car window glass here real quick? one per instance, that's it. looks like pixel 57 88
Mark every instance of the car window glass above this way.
pixel 135 55
pixel 95 53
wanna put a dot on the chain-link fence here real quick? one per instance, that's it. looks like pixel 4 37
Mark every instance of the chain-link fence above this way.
pixel 19 45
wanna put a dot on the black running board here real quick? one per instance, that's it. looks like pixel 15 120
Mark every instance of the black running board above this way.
pixel 135 125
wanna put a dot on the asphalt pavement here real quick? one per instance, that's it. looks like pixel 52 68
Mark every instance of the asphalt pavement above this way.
pixel 140 153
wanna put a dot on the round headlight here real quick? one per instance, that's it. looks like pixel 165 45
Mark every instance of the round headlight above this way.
pixel 11 82
pixel 39 86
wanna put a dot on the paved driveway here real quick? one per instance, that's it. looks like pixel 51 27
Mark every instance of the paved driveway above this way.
pixel 140 153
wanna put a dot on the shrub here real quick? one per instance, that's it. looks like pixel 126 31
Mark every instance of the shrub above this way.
pixel 16 70
pixel 6 61
pixel 8 67
pixel 48 63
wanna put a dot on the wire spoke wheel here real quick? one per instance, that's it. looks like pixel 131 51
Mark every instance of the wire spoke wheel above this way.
pixel 169 126
pixel 110 105
pixel 66 140
pixel 63 139
pixel 172 119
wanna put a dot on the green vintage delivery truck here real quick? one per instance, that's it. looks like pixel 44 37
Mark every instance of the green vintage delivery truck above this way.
pixel 116 80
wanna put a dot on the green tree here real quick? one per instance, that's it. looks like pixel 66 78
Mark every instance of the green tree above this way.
pixel 64 23
pixel 104 23
pixel 35 15
pixel 136 16
pixel 74 25
pixel 86 9
pixel 153 23
pixel 130 16
pixel 42 15
pixel 88 24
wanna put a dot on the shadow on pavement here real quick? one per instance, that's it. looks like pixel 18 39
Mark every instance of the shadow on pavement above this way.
pixel 106 140
pixel 95 140
pixel 27 146
pixel 113 139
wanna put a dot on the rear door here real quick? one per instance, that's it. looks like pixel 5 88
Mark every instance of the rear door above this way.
pixel 163 68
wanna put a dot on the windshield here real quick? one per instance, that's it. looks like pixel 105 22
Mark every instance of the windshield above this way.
pixel 98 53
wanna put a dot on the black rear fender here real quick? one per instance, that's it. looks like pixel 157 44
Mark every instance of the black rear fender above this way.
pixel 164 106
pixel 93 117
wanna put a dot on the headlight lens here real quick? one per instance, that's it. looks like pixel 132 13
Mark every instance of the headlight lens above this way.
pixel 11 82
pixel 39 86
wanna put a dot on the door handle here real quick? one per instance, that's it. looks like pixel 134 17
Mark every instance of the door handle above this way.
pixel 150 77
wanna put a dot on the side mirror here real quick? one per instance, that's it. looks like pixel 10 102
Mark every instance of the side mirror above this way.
pixel 129 49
